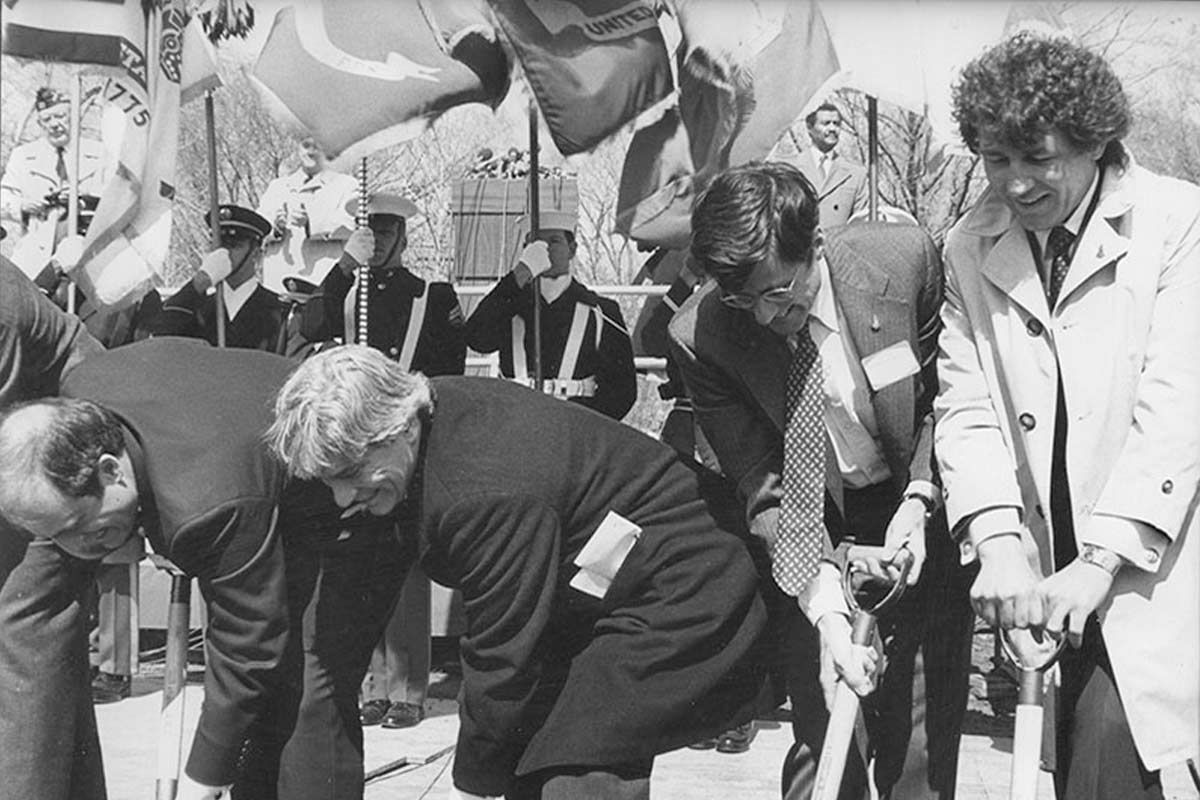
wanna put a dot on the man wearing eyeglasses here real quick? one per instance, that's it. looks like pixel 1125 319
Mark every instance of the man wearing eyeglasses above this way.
pixel 810 363
pixel 254 316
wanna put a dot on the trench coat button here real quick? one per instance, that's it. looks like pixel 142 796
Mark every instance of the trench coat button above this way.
pixel 1168 487
pixel 1033 327
pixel 1151 557
pixel 393 351
pixel 1027 421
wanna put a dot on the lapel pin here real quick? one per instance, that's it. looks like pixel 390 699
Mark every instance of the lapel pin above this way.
pixel 875 321
pixel 1100 251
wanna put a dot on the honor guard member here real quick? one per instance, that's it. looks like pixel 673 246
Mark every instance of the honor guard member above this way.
pixel 255 317
pixel 415 322
pixel 587 356
pixel 35 187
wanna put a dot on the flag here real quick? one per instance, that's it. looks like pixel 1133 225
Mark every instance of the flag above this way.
pixel 748 70
pixel 360 75
pixel 77 32
pixel 593 65
pixel 146 44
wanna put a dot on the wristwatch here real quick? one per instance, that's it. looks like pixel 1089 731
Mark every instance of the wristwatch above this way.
pixel 1101 557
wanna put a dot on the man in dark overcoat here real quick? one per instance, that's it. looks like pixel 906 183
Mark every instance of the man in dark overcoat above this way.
pixel 49 748
pixel 611 614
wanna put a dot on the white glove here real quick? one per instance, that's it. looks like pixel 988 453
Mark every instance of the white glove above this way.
pixel 67 254
pixel 361 245
pixel 456 793
pixel 190 790
pixel 216 265
pixel 536 258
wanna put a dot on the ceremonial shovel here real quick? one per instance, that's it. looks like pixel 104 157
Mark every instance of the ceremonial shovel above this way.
pixel 1032 659
pixel 845 702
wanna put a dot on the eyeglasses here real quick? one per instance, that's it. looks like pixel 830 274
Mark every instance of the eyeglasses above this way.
pixel 775 297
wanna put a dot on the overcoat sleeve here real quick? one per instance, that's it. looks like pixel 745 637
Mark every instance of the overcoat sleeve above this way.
pixel 236 554
pixel 506 550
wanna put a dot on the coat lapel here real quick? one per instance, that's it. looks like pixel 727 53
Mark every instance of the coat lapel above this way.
pixel 1103 242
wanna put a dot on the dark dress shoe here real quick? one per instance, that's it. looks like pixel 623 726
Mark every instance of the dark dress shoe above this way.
pixel 704 744
pixel 736 740
pixel 109 688
pixel 373 711
pixel 403 715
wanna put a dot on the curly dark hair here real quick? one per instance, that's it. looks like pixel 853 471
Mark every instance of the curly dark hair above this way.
pixel 749 213
pixel 1029 84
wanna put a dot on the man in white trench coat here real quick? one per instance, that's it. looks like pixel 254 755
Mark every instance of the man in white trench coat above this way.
pixel 1068 421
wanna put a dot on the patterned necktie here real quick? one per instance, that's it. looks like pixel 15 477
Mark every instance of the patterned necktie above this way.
pixel 800 541
pixel 1058 259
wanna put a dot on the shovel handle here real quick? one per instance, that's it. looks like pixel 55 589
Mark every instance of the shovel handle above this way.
pixel 1027 738
pixel 837 743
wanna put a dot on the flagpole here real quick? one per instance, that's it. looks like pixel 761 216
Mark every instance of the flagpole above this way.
pixel 214 211
pixel 361 220
pixel 535 220
pixel 73 181
pixel 872 157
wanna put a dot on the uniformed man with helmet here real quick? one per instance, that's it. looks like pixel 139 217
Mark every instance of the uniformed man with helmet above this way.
pixel 587 356
pixel 415 322
pixel 255 317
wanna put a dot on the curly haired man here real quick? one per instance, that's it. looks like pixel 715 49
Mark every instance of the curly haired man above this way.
pixel 1066 421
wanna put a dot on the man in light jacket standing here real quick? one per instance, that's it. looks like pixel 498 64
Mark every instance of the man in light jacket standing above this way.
pixel 1067 429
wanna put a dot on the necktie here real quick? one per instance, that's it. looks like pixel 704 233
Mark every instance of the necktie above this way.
pixel 801 537
pixel 823 166
pixel 1058 260
pixel 61 167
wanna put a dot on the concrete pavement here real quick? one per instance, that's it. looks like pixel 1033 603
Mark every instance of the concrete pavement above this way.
pixel 128 731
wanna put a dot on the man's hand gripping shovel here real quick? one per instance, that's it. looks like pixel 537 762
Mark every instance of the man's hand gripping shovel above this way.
pixel 1033 659
pixel 866 575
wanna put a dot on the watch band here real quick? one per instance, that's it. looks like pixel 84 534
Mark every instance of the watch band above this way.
pixel 1101 557
pixel 930 506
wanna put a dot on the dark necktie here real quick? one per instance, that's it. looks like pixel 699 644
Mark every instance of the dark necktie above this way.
pixel 1058 260
pixel 61 168
pixel 800 541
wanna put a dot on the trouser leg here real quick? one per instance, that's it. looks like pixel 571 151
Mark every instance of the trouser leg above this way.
pixel 409 646
pixel 356 586
pixel 114 583
pixel 50 748
pixel 1097 759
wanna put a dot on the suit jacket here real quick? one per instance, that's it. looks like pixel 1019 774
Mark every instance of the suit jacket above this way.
pixel 1123 336
pixel 842 193
pixel 440 348
pixel 510 486
pixel 209 491
pixel 606 353
pixel 31 174
pixel 887 281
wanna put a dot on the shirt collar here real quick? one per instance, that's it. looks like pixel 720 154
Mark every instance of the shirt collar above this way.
pixel 1075 221
pixel 553 288
pixel 236 298
pixel 824 307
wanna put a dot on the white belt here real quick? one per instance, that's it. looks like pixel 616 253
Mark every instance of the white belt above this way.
pixel 562 387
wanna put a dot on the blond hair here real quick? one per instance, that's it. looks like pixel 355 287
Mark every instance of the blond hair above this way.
pixel 341 401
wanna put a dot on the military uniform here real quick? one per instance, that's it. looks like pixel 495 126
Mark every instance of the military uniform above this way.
pixel 412 321
pixel 587 356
